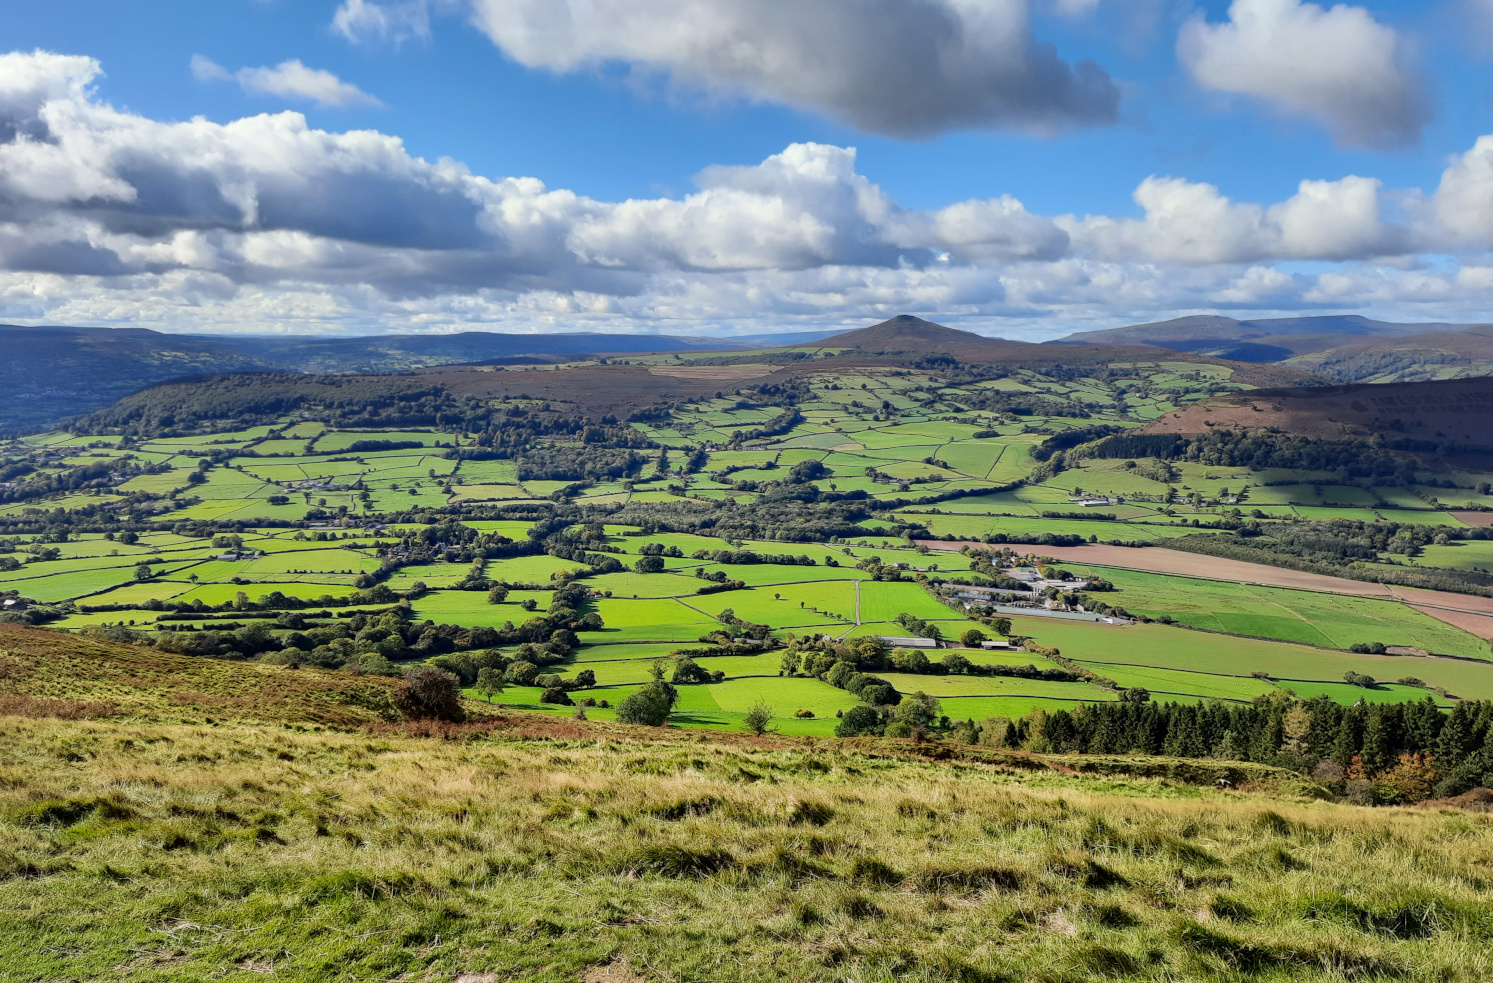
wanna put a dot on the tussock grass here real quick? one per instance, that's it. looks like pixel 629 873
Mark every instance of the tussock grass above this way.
pixel 166 851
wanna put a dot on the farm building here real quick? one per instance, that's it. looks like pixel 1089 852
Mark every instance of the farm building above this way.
pixel 909 642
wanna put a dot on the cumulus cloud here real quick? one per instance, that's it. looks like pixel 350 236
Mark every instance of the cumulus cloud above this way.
pixel 289 79
pixel 267 223
pixel 1193 223
pixel 1337 66
pixel 905 68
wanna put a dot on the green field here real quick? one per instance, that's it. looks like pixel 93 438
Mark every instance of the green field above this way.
pixel 927 455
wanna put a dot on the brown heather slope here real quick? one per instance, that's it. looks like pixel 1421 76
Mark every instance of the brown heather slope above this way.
pixel 594 390
pixel 52 674
pixel 1454 412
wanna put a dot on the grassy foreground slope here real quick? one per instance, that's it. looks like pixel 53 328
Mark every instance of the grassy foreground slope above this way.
pixel 525 847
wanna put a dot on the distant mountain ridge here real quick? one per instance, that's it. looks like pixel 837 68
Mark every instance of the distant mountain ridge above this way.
pixel 1192 332
pixel 60 372
pixel 1342 347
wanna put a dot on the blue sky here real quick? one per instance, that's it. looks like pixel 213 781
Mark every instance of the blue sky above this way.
pixel 1021 167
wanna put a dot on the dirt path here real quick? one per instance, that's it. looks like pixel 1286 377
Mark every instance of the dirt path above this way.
pixel 857 624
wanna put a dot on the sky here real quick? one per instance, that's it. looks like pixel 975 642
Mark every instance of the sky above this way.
pixel 1020 168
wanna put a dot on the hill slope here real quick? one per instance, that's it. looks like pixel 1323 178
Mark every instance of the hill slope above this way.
pixel 57 373
pixel 1206 331
pixel 907 333
pixel 1438 355
pixel 49 674
pixel 1454 412
pixel 527 847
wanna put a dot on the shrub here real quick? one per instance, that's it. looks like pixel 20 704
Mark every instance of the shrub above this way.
pixel 430 694
pixel 859 721
pixel 650 705
pixel 758 718
pixel 522 673
pixel 557 695
pixel 918 710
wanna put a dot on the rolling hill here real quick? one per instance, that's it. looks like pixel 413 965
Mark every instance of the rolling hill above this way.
pixel 61 372
pixel 1206 331
pixel 1345 348
pixel 1437 355
pixel 1455 413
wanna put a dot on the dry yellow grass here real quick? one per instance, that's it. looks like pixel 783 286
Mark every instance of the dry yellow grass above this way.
pixel 155 851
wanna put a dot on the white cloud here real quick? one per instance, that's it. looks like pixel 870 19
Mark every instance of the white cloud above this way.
pixel 207 70
pixel 1194 224
pixel 1337 66
pixel 266 223
pixel 1463 203
pixel 289 79
pixel 362 21
pixel 906 68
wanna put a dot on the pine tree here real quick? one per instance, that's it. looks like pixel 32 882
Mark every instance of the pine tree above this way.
pixel 1376 753
pixel 1227 748
pixel 1296 726
pixel 1457 739
pixel 1349 736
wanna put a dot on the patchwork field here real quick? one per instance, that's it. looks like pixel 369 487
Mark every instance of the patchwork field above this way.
pixel 740 518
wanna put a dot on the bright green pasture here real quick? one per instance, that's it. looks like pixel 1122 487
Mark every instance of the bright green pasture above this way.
pixel 433 576
pixel 219 593
pixel 1102 646
pixel 470 608
pixel 528 569
pixel 979 708
pixel 767 574
pixel 339 561
pixel 759 605
pixel 139 593
pixel 942 686
pixel 1332 620
pixel 64 586
pixel 1458 555
pixel 1165 683
pixel 342 439
pixel 786 695
pixel 1346 693
pixel 515 529
pixel 620 651
pixel 884 600
pixel 646 584
pixel 973 527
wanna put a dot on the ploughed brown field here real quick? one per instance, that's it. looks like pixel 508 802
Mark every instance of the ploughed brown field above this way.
pixel 1480 625
pixel 1158 560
